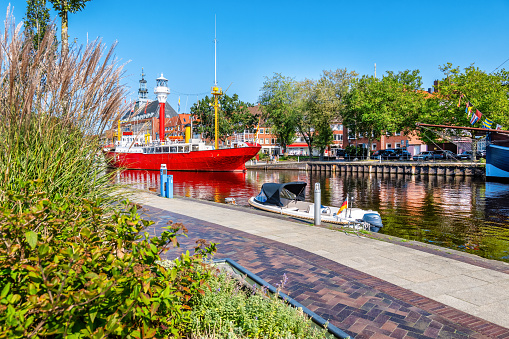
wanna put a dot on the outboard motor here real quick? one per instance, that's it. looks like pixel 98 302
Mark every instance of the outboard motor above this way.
pixel 374 220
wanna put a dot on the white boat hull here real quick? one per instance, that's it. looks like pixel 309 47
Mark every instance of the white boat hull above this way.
pixel 351 217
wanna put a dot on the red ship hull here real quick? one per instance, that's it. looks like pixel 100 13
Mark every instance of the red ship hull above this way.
pixel 221 160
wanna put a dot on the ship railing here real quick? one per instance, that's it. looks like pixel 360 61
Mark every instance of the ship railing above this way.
pixel 244 137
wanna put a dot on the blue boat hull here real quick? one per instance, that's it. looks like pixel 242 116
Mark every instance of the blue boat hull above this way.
pixel 497 162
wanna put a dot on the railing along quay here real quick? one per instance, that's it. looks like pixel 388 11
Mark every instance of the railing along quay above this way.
pixel 403 168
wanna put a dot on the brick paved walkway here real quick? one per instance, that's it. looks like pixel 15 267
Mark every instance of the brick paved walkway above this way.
pixel 358 303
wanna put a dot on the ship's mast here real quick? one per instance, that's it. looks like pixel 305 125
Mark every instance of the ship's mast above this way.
pixel 216 91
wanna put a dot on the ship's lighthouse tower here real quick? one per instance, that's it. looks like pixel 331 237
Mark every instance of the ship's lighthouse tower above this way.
pixel 142 92
pixel 162 92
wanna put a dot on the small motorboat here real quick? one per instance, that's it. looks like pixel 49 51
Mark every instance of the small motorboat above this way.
pixel 289 199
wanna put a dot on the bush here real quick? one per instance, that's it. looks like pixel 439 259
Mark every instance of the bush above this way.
pixel 226 310
pixel 69 270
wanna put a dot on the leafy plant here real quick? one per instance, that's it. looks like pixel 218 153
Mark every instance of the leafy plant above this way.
pixel 227 310
pixel 69 270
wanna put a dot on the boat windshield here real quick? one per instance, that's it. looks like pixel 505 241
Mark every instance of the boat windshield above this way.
pixel 261 197
pixel 287 194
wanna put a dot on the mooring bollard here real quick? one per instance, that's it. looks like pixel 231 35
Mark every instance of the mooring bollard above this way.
pixel 169 187
pixel 163 179
pixel 318 205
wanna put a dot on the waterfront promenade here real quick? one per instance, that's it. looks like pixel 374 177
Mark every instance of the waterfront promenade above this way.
pixel 370 287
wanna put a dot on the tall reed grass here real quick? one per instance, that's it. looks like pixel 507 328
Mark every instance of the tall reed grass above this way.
pixel 53 109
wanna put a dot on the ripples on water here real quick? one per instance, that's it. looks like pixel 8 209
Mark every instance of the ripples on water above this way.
pixel 460 213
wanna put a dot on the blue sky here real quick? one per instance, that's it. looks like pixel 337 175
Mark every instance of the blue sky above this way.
pixel 296 38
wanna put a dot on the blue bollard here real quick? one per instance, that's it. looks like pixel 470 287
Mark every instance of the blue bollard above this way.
pixel 162 180
pixel 169 186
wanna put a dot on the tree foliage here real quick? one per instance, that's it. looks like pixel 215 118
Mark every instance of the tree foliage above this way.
pixel 384 106
pixel 36 21
pixel 318 103
pixel 233 116
pixel 63 7
pixel 279 109
pixel 487 92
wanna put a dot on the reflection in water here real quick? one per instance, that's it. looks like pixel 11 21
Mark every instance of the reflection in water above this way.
pixel 459 213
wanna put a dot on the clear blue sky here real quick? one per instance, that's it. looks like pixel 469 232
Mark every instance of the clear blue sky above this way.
pixel 296 38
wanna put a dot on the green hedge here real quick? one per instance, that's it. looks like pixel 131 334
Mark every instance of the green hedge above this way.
pixel 69 270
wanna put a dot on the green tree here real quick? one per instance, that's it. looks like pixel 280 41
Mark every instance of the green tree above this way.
pixel 63 7
pixel 36 21
pixel 383 106
pixel 327 101
pixel 279 107
pixel 233 116
pixel 411 79
pixel 318 104
pixel 487 92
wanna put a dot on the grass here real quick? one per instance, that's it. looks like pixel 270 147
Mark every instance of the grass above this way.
pixel 54 109
pixel 228 310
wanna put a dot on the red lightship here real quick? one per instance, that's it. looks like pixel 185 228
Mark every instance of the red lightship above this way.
pixel 139 152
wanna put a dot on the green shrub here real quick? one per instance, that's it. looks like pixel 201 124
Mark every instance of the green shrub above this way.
pixel 69 270
pixel 229 311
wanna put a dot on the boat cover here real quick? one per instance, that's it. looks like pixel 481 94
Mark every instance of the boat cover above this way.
pixel 271 192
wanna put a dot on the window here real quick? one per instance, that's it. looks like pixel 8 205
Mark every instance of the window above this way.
pixel 398 145
pixel 373 146
pixel 267 141
pixel 261 130
pixel 388 146
pixel 340 127
pixel 261 141
pixel 273 141
pixel 398 133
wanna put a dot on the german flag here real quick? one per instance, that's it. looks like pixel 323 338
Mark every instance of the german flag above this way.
pixel 343 206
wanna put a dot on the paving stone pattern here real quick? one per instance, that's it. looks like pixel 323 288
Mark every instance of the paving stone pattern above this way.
pixel 358 303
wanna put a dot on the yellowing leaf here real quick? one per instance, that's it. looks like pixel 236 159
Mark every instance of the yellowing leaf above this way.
pixel 31 237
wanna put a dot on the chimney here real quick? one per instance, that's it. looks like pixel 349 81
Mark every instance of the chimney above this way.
pixel 435 85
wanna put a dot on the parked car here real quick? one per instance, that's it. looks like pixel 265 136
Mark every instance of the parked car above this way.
pixel 444 155
pixel 340 152
pixel 428 155
pixel 467 155
pixel 396 154
pixel 376 154
pixel 403 154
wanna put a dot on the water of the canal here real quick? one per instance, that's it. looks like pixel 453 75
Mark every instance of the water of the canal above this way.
pixel 460 213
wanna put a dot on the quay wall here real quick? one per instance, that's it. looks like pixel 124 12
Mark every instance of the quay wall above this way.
pixel 405 168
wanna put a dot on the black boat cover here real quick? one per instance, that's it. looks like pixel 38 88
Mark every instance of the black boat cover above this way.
pixel 271 192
